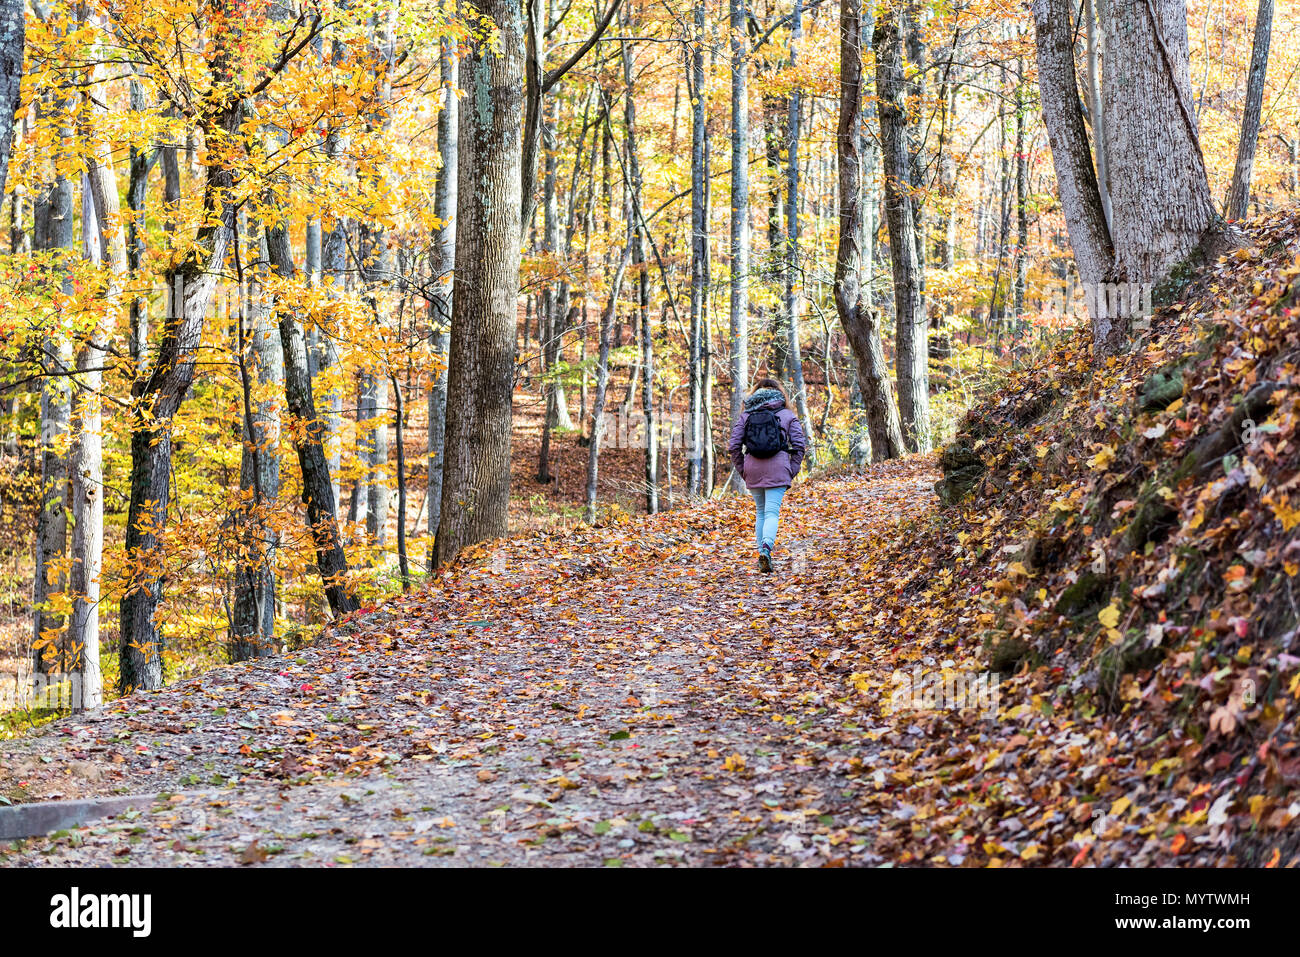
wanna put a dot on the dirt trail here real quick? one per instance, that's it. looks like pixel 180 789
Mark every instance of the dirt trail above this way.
pixel 634 695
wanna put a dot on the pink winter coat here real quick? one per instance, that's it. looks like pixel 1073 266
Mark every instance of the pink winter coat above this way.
pixel 780 469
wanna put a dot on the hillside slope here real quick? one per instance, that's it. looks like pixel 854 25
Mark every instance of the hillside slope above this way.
pixel 1124 538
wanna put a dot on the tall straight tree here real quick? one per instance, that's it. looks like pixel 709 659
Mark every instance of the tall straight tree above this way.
pixel 1081 198
pixel 859 320
pixel 104 242
pixel 911 354
pixel 444 253
pixel 794 352
pixel 54 229
pixel 640 240
pixel 309 440
pixel 739 303
pixel 253 614
pixel 480 384
pixel 602 375
pixel 1239 191
pixel 1095 109
pixel 699 254
pixel 13 39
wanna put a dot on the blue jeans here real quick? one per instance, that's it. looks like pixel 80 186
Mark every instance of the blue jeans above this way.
pixel 767 512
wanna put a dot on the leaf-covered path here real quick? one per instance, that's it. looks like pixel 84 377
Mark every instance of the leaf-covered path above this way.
pixel 628 695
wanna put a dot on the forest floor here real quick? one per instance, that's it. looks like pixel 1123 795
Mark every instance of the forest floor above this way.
pixel 636 694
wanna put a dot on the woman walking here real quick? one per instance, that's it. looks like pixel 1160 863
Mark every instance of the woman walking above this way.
pixel 767 447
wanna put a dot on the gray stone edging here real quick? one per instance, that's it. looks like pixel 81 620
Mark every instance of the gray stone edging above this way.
pixel 43 817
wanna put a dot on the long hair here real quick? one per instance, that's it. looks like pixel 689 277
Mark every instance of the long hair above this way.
pixel 767 383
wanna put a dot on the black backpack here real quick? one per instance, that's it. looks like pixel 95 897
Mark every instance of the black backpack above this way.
pixel 764 436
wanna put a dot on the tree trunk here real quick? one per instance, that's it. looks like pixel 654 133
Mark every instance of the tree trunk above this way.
pixel 640 239
pixel 253 623
pixel 445 264
pixel 739 303
pixel 56 412
pixel 1081 202
pixel 377 491
pixel 914 18
pixel 136 194
pixel 334 268
pixel 317 488
pixel 699 255
pixel 13 37
pixel 476 481
pixel 858 318
pixel 1021 265
pixel 157 400
pixel 912 355
pixel 775 116
pixel 550 321
pixel 1239 192
pixel 602 382
pixel 403 562
pixel 1159 192
pixel 1095 106
pixel 794 353
pixel 103 234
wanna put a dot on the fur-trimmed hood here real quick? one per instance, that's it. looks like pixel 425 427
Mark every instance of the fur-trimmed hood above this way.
pixel 763 397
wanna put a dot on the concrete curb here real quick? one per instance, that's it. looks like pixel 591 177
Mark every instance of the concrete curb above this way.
pixel 43 817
